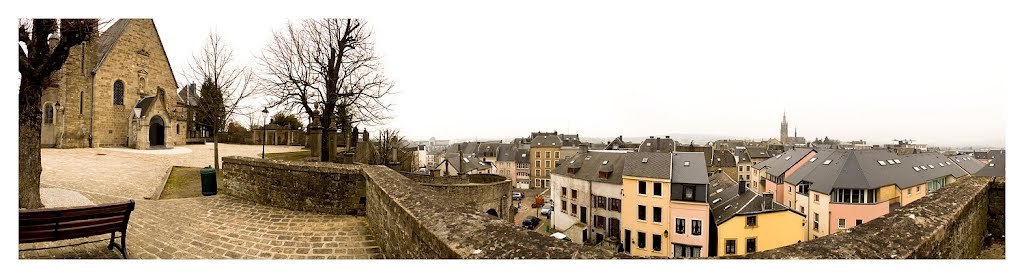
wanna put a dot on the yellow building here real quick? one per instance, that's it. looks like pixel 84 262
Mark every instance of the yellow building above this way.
pixel 747 222
pixel 646 183
pixel 545 151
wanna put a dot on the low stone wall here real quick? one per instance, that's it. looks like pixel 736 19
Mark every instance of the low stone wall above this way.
pixel 485 192
pixel 952 223
pixel 305 186
pixel 412 221
pixel 997 208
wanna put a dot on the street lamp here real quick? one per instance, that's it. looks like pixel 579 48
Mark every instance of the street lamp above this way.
pixel 264 140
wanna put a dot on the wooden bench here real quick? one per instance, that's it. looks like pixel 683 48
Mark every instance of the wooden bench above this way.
pixel 52 224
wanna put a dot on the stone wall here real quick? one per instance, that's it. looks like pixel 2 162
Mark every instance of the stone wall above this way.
pixel 951 223
pixel 305 186
pixel 481 191
pixel 410 221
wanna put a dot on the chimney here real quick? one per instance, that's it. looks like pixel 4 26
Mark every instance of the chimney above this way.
pixel 666 137
pixel 768 203
pixel 742 188
pixel 461 162
pixel 657 144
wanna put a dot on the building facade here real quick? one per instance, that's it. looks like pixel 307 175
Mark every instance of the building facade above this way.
pixel 116 89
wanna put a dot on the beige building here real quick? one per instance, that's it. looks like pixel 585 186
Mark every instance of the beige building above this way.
pixel 116 89
pixel 545 151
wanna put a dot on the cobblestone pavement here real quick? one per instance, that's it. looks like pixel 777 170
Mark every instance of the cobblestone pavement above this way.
pixel 126 174
pixel 222 227
pixel 216 227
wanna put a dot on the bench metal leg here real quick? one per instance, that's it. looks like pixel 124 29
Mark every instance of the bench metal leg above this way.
pixel 120 247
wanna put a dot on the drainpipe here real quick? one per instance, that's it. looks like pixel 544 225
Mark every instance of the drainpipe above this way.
pixel 92 105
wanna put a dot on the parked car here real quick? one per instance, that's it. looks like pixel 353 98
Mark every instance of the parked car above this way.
pixel 531 222
pixel 516 195
pixel 546 210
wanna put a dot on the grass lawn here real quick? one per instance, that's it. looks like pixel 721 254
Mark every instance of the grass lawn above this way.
pixel 184 182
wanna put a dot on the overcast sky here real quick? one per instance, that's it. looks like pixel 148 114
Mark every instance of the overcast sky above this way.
pixel 935 73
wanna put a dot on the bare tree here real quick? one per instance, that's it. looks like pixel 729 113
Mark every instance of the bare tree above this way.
pixel 38 59
pixel 387 149
pixel 329 66
pixel 215 65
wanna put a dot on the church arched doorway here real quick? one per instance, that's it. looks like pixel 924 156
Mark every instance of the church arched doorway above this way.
pixel 156 131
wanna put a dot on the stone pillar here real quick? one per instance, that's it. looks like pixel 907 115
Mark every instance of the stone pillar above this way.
pixel 332 141
pixel 314 131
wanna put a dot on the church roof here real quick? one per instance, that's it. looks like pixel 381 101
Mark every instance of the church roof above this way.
pixel 111 36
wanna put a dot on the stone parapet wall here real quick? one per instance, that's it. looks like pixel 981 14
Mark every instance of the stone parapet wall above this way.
pixel 410 221
pixel 305 186
pixel 481 191
pixel 951 223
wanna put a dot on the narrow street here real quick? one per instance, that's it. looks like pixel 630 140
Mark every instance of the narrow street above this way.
pixel 525 208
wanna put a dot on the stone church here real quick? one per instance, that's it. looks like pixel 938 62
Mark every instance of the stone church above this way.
pixel 115 90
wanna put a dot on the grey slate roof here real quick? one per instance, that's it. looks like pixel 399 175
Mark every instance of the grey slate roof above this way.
pixel 187 95
pixel 658 144
pixel 468 148
pixel 779 164
pixel 936 164
pixel 694 173
pixel 707 150
pixel 506 152
pixel 757 152
pixel 967 162
pixel 470 163
pixel 591 163
pixel 854 169
pixel 995 167
pixel 522 155
pixel 723 158
pixel 487 149
pixel 726 204
pixel 743 156
pixel 658 165
pixel 546 141
pixel 570 139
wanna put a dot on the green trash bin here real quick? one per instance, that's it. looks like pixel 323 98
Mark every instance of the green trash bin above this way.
pixel 209 178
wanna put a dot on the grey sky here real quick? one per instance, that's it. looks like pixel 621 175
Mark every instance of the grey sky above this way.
pixel 935 73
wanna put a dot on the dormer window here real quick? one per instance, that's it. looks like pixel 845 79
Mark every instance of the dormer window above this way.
pixel 604 175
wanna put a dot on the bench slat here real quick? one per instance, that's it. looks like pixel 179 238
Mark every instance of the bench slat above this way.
pixel 40 221
pixel 72 224
pixel 30 215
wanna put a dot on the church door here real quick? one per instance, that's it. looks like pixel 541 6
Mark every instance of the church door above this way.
pixel 156 131
pixel 48 136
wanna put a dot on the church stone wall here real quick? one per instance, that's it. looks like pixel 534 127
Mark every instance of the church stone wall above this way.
pixel 71 89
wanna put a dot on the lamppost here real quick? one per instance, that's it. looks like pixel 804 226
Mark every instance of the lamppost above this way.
pixel 264 140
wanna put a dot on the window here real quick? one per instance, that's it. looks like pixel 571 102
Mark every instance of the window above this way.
pixel 696 227
pixel 574 194
pixel 656 242
pixel 564 207
pixel 816 198
pixel 657 214
pixel 547 154
pixel 538 172
pixel 642 188
pixel 600 202
pixel 858 222
pixel 118 92
pixel 813 159
pixel 801 209
pixel 680 226
pixel 815 221
pixel 748 177
pixel 563 191
pixel 855 196
pixel 573 209
pixel 547 172
pixel 827 162
pixel 538 164
pixel 730 246
pixel 842 223
pixel 751 245
pixel 599 222
pixel 603 175
pixel 48 114
pixel 556 155
pixel 641 239
pixel 657 189
pixel 177 128
pixel 790 188
pixel 686 251
pixel 918 188
pixel 81 101
pixel 685 192
pixel 614 204
pixel 547 164
pixel 752 221
pixel 641 212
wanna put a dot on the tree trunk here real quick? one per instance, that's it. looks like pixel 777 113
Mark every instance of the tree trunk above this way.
pixel 216 151
pixel 325 147
pixel 29 129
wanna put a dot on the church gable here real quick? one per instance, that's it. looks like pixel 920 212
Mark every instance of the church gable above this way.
pixel 132 66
